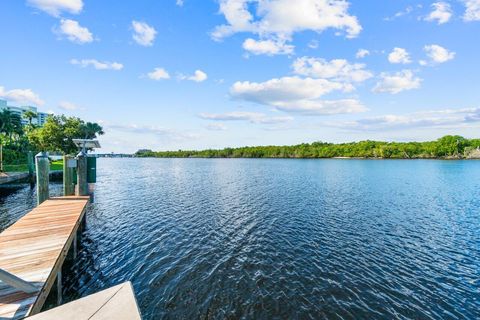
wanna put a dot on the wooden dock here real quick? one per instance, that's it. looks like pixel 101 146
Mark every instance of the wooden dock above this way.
pixel 12 177
pixel 34 249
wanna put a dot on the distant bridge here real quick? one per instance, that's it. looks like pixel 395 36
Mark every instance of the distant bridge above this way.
pixel 114 155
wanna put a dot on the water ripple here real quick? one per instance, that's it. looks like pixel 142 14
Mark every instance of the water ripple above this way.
pixel 283 239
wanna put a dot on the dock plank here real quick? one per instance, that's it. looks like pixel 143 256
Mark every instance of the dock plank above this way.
pixel 34 249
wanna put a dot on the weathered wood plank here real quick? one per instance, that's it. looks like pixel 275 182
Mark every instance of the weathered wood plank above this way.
pixel 34 249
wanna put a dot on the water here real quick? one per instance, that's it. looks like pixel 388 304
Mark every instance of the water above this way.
pixel 285 239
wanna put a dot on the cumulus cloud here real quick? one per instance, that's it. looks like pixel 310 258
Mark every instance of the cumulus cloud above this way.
pixel 472 12
pixel 441 12
pixel 295 94
pixel 158 74
pixel 283 89
pixel 74 32
pixel 437 54
pixel 253 117
pixel 65 105
pixel 23 96
pixel 362 53
pixel 99 65
pixel 336 69
pixel 268 47
pixel 278 20
pixel 57 7
pixel 397 82
pixel 198 76
pixel 399 55
pixel 428 119
pixel 143 34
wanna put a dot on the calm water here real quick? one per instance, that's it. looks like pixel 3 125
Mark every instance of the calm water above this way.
pixel 286 239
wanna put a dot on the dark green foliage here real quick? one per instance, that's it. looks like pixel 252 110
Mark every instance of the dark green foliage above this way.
pixel 445 147
pixel 55 135
pixel 58 131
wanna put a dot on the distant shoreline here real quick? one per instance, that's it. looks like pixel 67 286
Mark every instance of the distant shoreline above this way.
pixel 445 148
pixel 325 158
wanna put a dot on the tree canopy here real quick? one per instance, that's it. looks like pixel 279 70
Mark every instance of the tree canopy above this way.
pixel 58 131
pixel 445 147
pixel 55 136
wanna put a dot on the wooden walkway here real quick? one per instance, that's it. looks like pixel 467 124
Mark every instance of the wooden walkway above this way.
pixel 12 177
pixel 34 249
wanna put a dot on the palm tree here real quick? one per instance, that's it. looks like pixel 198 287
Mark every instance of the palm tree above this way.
pixel 5 120
pixel 30 115
pixel 91 129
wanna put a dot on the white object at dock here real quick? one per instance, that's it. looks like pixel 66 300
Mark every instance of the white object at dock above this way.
pixel 114 303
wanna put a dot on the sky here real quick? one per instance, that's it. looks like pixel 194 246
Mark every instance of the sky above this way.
pixel 197 74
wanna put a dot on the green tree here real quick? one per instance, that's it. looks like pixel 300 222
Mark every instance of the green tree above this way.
pixel 58 133
pixel 30 115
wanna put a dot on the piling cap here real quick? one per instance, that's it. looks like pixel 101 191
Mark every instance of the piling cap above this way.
pixel 81 154
pixel 41 154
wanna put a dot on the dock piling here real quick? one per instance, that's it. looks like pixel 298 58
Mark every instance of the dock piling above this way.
pixel 82 184
pixel 59 288
pixel 31 168
pixel 68 175
pixel 43 176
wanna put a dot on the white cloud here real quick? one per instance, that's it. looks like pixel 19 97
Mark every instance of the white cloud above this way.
pixel 65 105
pixel 472 12
pixel 154 130
pixel 99 65
pixel 74 31
pixel 158 74
pixel 336 69
pixel 397 82
pixel 23 96
pixel 313 44
pixel 253 117
pixel 56 7
pixel 323 107
pixel 179 3
pixel 399 55
pixel 278 20
pixel 198 76
pixel 295 94
pixel 427 119
pixel 438 54
pixel 442 12
pixel 399 14
pixel 362 53
pixel 269 47
pixel 216 127
pixel 283 89
pixel 143 34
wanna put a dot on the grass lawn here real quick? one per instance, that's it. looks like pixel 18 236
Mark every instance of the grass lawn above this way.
pixel 55 165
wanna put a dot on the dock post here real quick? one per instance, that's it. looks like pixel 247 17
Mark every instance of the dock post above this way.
pixel 75 244
pixel 68 185
pixel 59 288
pixel 82 174
pixel 31 168
pixel 43 175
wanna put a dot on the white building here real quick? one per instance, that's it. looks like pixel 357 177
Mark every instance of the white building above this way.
pixel 41 116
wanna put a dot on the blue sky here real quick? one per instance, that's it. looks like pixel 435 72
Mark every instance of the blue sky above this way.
pixel 210 74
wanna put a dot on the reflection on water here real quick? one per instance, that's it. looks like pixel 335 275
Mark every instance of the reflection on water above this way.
pixel 233 238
